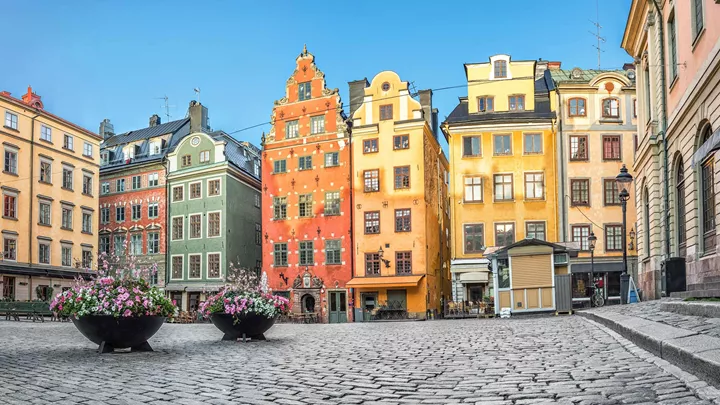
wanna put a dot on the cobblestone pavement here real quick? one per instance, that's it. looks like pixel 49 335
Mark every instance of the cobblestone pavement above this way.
pixel 520 361
pixel 651 311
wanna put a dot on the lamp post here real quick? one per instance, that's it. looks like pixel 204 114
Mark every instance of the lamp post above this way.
pixel 623 181
pixel 592 239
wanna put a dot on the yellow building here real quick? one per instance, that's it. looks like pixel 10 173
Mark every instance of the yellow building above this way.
pixel 400 223
pixel 597 126
pixel 49 197
pixel 503 167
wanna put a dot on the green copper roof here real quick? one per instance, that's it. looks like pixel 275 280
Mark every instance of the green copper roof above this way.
pixel 561 75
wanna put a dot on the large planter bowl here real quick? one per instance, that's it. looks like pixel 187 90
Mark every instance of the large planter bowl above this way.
pixel 252 326
pixel 119 333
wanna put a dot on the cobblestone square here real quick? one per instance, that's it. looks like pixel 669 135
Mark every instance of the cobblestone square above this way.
pixel 519 361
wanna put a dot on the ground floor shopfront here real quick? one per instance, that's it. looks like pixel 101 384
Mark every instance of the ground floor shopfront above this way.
pixel 392 297
pixel 471 281
pixel 19 282
pixel 606 273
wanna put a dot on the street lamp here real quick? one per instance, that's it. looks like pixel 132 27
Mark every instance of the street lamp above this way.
pixel 592 239
pixel 381 253
pixel 623 181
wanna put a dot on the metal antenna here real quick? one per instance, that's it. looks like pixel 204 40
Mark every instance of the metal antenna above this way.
pixel 597 33
pixel 166 106
pixel 197 90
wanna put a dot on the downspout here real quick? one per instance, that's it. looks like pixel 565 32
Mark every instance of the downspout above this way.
pixel 554 130
pixel 663 130
pixel 351 175
pixel 167 220
pixel 30 206
pixel 560 146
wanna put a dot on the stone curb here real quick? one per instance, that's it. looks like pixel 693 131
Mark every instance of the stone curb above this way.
pixel 703 309
pixel 690 351
pixel 695 384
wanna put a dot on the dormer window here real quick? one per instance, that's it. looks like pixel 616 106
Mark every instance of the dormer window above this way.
pixel 500 67
pixel 304 91
pixel 155 148
pixel 186 160
pixel 577 107
pixel 611 108
pixel 485 104
pixel 138 150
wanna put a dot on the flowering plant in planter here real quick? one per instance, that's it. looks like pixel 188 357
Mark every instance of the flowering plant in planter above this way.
pixel 120 289
pixel 245 294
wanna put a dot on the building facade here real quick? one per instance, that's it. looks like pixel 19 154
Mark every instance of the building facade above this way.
pixel 133 191
pixel 306 198
pixel 502 142
pixel 213 213
pixel 597 125
pixel 49 187
pixel 401 225
pixel 676 46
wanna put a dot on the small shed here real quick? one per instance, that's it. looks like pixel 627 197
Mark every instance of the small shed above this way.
pixel 524 275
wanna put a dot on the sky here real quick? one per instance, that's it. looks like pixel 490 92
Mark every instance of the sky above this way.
pixel 96 59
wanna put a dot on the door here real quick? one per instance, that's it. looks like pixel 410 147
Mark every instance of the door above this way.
pixel 397 299
pixel 338 307
pixel 193 301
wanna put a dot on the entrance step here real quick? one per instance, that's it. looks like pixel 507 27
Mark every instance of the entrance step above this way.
pixel 707 285
pixel 696 294
pixel 711 279
pixel 704 309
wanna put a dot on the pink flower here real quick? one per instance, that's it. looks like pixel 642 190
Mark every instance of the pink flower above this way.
pixel 127 313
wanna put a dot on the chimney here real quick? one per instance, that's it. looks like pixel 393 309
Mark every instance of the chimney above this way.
pixel 106 129
pixel 426 104
pixel 357 94
pixel 540 67
pixel 32 99
pixel 198 117
pixel 154 120
pixel 553 65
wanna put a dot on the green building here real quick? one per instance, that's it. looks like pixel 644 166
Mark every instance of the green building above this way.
pixel 214 214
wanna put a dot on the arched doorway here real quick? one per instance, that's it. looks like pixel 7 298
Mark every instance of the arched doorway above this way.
pixel 308 303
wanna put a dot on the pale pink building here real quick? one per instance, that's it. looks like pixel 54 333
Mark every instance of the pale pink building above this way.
pixel 676 46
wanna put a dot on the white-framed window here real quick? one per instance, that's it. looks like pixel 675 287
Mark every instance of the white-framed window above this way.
pixel 9 248
pixel 213 224
pixel 9 205
pixel 119 185
pixel 11 120
pixel 153 179
pixel 45 171
pixel 87 185
pixel 67 217
pixel 178 224
pixel 176 267
pixel 68 142
pixel 87 222
pixel 205 156
pixel 213 265
pixel 195 226
pixel 136 182
pixel 213 187
pixel 194 266
pixel 46 133
pixel 473 189
pixel 195 191
pixel 10 163
pixel 291 129
pixel 317 124
pixel 44 218
pixel 44 252
pixel 66 255
pixel 87 149
pixel 153 210
pixel 119 245
pixel 136 244
pixel 332 159
pixel 153 243
pixel 67 178
pixel 105 188
pixel 178 193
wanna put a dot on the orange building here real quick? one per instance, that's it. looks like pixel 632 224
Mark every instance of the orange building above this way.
pixel 306 196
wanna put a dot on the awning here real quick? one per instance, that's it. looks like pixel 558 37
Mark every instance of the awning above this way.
pixel 44 271
pixel 384 282
pixel 711 144
pixel 597 268
pixel 174 287
pixel 474 277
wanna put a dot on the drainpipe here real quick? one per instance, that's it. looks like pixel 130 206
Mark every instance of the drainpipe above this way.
pixel 351 173
pixel 165 164
pixel 30 206
pixel 663 131
pixel 560 146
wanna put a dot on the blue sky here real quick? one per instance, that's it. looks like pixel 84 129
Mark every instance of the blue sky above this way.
pixel 91 60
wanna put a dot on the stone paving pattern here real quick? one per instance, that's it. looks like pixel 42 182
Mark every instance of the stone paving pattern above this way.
pixel 652 311
pixel 519 361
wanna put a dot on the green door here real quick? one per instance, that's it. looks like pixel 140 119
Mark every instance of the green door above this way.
pixel 338 307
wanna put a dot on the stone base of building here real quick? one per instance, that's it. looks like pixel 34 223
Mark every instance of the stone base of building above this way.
pixel 698 271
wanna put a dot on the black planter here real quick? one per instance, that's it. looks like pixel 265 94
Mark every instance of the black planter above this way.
pixel 251 326
pixel 119 333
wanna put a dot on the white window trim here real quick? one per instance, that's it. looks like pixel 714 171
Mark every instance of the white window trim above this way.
pixel 49 162
pixel 10 237
pixel 91 184
pixel 92 150
pixel 188 266
pixel 189 225
pixel 149 179
pixel 182 270
pixel 130 243
pixel 207 266
pixel 207 184
pixel 207 225
pixel 544 189
pixel 182 186
pixel 147 243
pixel 42 201
pixel 68 246
pixel 542 144
pixel 513 188
pixel 482 189
pixel 45 243
pixel 190 190
pixel 172 228
pixel 157 204
pixel 16 119
pixel 49 132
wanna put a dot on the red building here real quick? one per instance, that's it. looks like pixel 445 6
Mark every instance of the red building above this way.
pixel 307 208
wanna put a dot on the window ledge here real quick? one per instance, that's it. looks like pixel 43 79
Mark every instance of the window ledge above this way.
pixel 46 225
pixel 697 39
pixel 503 155
pixel 46 141
pixel 708 253
pixel 67 189
pixel 10 218
pixel 11 173
pixel 44 182
pixel 66 229
pixel 504 201
pixel 87 233
pixel 609 120
pixel 472 202
pixel 68 149
pixel 11 128
pixel 86 194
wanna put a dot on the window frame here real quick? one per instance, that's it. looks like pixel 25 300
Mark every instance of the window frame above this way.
pixel 503 184
pixel 282 260
pixel 373 178
pixel 579 203
pixel 10 211
pixel 533 135
pixel 374 146
pixel 304 251
pixel 211 263
pixel 369 219
pixel 280 205
pixel 292 129
pixel 9 118
pixel 186 161
pixel 330 252
pixel 505 224
pixel 611 139
pixel 334 159
pixel 403 263
pixel 610 100
pixel 279 162
pixel 404 220
pixel 177 231
pixel 67 178
pixel 10 162
pixel 474 235
pixel 671 28
pixel 583 237
pixel 519 100
pixel 536 223
pixel 304 91
pixel 500 66
pixel 68 142
pixel 585 143
pixel 177 263
pixel 383 112
pixel 214 224
pixel 45 133
pixel 198 185
pixel 305 205
pixel 315 128
pixel 153 244
pixel 305 163
pixel 534 182
pixel 372 264
pixel 47 221
pixel 197 256
pixel 617 244
pixel 473 187
pixel 332 203
pixel 197 224
pixel 404 178
pixel 471 139
pixel 485 103
pixel 175 198
pixel 495 145
pixel 87 149
pixel 404 142
pixel 616 193
pixel 577 101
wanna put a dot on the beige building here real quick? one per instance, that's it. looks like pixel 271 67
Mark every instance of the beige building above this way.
pixel 676 46
pixel 597 125
pixel 49 185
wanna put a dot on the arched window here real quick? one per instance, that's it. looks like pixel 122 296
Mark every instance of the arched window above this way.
pixel 680 208
pixel 576 107
pixel 646 220
pixel 611 108
pixel 707 195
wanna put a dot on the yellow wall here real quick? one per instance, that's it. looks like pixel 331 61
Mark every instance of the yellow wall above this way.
pixel 425 198
pixel 596 168
pixel 29 157
pixel 521 77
